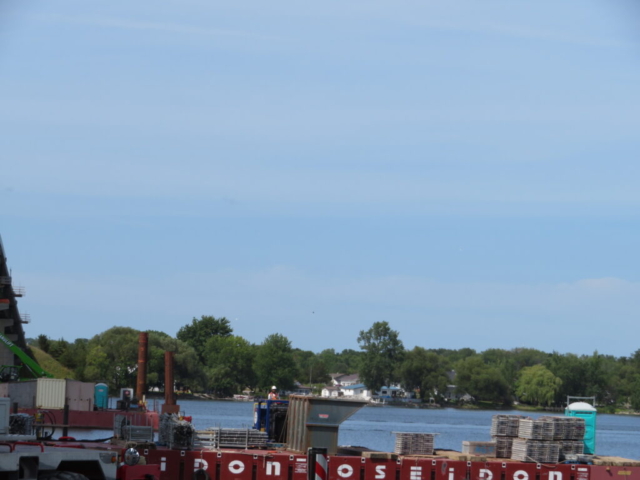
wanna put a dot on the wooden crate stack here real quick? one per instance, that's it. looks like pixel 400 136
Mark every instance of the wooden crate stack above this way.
pixel 414 443
pixel 539 451
pixel 547 439
pixel 504 429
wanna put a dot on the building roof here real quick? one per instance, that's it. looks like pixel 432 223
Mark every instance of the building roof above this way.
pixel 353 387
pixel 350 377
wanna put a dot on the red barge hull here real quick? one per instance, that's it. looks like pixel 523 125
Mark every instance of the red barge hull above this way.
pixel 283 465
pixel 94 419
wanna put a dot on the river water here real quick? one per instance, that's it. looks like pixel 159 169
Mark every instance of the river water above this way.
pixel 373 427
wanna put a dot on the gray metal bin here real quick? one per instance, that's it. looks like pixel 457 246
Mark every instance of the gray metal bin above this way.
pixel 314 421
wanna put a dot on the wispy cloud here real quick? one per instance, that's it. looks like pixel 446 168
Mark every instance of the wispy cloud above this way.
pixel 522 32
pixel 130 24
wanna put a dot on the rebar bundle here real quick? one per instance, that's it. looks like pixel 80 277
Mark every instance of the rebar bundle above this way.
pixel 414 443
pixel 20 424
pixel 175 433
pixel 232 438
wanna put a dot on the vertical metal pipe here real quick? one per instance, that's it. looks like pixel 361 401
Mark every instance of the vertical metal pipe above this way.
pixel 65 420
pixel 169 397
pixel 141 385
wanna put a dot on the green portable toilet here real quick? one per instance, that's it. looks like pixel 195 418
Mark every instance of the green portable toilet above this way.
pixel 588 412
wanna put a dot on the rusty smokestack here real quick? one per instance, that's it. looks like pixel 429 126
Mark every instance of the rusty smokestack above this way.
pixel 169 397
pixel 141 385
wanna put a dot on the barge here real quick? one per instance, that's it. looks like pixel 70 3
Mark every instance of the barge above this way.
pixel 310 452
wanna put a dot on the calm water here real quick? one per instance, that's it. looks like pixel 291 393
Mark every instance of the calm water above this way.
pixel 372 427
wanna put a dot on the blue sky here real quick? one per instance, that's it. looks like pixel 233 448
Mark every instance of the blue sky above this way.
pixel 466 171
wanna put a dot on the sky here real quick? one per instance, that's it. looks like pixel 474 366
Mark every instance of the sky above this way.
pixel 466 171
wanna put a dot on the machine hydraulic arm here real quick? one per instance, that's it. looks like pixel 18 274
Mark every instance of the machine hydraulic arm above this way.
pixel 35 369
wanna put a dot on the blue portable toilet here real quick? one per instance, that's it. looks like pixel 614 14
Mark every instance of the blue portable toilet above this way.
pixel 588 412
pixel 101 396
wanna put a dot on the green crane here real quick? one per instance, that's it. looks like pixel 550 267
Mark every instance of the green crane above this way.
pixel 12 372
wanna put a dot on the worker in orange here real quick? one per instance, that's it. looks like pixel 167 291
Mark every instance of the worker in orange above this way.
pixel 273 394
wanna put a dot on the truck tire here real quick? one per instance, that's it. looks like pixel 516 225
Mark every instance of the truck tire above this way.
pixel 62 476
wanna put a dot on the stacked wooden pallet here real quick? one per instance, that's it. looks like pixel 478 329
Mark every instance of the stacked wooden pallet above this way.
pixel 548 438
pixel 414 443
pixel 504 429
pixel 540 429
pixel 528 450
pixel 505 425
pixel 571 447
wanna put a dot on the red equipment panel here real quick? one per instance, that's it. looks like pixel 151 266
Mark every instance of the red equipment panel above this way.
pixel 486 470
pixel 298 464
pixel 614 473
pixel 521 471
pixel 279 467
pixel 381 469
pixel 170 462
pixel 235 466
pixel 415 468
pixel 345 468
pixel 558 472
pixel 449 470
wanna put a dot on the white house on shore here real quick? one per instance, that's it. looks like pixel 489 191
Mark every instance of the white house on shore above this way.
pixel 344 379
pixel 357 391
pixel 349 386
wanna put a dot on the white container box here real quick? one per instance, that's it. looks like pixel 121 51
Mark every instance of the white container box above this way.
pixel 51 393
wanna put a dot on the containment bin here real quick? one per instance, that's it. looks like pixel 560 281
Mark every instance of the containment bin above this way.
pixel 79 395
pixel 588 412
pixel 101 396
pixel 22 393
pixel 314 421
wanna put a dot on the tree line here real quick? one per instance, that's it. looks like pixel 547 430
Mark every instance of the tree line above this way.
pixel 210 358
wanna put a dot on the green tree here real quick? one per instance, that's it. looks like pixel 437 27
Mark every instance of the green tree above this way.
pixel 537 385
pixel 383 354
pixel 572 370
pixel 199 331
pixel 75 357
pixel 311 367
pixel 425 371
pixel 43 343
pixel 229 364
pixel 634 397
pixel 187 370
pixel 481 381
pixel 113 357
pixel 274 363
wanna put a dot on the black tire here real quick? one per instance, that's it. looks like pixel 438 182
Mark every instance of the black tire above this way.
pixel 201 474
pixel 62 476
